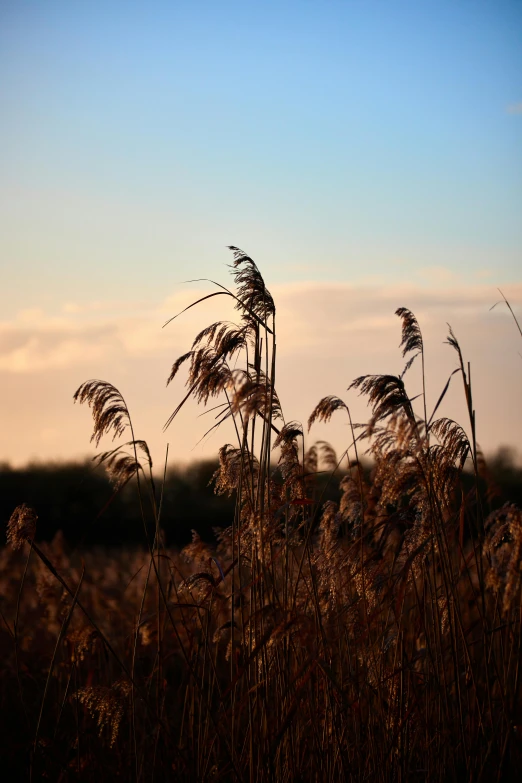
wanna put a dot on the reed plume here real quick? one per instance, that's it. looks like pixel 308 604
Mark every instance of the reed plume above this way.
pixel 109 409
pixel 21 526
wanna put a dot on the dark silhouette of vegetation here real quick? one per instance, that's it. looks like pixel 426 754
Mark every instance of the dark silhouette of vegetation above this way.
pixel 78 499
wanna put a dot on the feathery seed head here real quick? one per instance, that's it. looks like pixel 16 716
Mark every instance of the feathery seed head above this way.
pixel 109 409
pixel 503 546
pixel 411 333
pixel 107 705
pixel 21 526
pixel 255 301
pixel 120 466
pixel 325 409
pixel 386 394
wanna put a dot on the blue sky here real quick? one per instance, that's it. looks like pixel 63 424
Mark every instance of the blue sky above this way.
pixel 337 142
pixel 330 139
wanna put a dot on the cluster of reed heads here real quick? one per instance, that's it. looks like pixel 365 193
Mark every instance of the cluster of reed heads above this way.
pixel 377 639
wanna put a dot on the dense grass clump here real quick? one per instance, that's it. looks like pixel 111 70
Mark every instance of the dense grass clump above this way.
pixel 377 638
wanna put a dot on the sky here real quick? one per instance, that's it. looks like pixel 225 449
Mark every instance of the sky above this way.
pixel 367 155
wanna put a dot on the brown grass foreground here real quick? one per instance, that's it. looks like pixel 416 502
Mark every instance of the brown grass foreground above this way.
pixel 378 640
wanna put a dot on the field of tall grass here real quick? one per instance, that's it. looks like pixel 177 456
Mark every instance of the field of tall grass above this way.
pixel 377 639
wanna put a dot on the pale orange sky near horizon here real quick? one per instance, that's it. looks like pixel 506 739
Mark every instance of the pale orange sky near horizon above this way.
pixel 327 335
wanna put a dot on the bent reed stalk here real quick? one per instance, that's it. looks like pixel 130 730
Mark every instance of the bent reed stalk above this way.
pixel 377 639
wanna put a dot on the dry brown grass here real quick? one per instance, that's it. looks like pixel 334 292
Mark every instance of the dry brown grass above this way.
pixel 377 640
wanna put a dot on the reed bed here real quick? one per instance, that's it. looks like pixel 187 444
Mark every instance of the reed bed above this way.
pixel 377 639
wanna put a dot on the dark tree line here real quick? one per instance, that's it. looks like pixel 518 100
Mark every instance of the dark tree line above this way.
pixel 78 499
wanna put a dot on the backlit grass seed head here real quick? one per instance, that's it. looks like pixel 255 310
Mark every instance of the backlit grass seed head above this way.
pixel 232 461
pixel 122 467
pixel 320 456
pixel 386 394
pixel 351 505
pixel 216 347
pixel 329 559
pixel 327 456
pixel 107 705
pixel 444 613
pixel 396 476
pixel 503 546
pixel 454 442
pixel 289 464
pixel 415 543
pixel 197 553
pixel 411 336
pixel 109 409
pixel 325 409
pixel 256 302
pixel 252 394
pixel 21 526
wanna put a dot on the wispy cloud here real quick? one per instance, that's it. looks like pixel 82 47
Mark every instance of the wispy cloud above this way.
pixel 327 335
pixel 82 335
pixel 514 108
pixel 310 314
